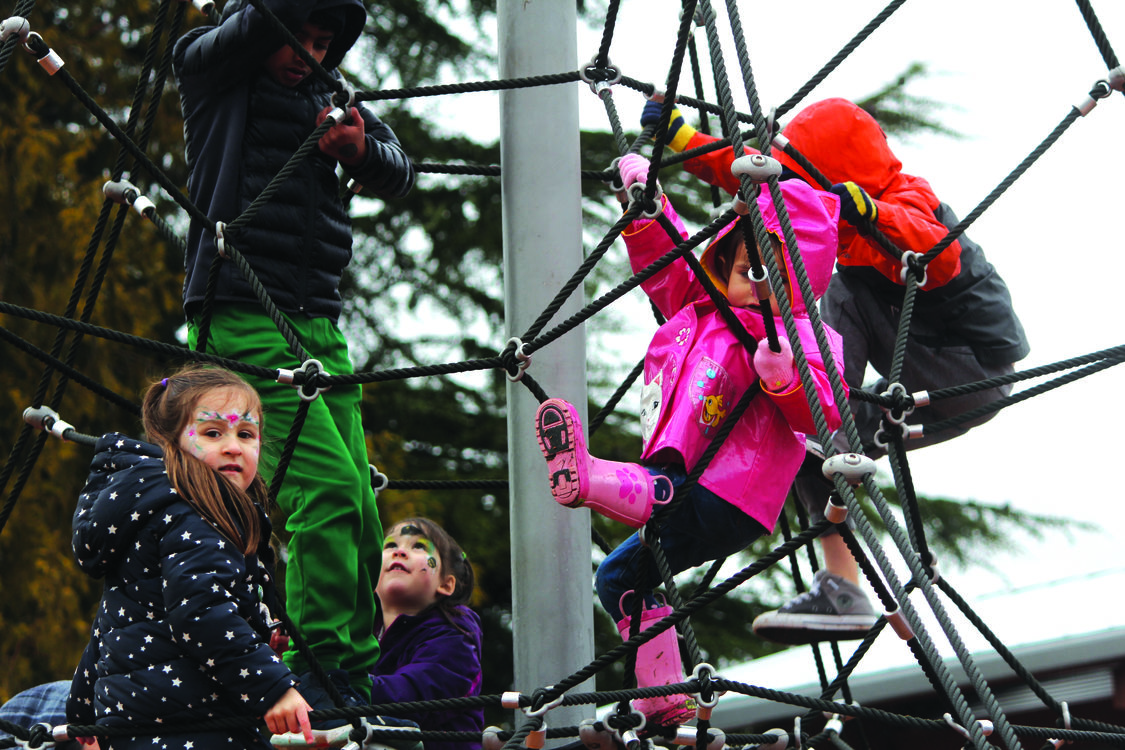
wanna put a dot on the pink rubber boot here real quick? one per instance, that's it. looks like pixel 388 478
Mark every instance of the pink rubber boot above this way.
pixel 659 663
pixel 622 491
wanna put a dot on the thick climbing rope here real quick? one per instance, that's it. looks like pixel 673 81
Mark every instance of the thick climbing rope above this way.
pixel 602 75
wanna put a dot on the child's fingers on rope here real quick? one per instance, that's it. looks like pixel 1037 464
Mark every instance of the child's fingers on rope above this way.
pixel 633 169
pixel 679 132
pixel 290 714
pixel 856 206
pixel 344 141
pixel 775 368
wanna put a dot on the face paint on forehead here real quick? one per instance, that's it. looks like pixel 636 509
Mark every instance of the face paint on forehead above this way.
pixel 232 418
pixel 411 530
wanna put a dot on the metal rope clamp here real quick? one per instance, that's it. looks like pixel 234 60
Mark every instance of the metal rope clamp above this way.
pixel 490 739
pixel 628 725
pixel 759 168
pixel 614 183
pixel 340 111
pixel 761 282
pixel 358 736
pixel 1101 89
pixel 221 240
pixel 379 480
pixel 47 419
pixel 932 570
pixel 49 60
pixel 16 26
pixel 40 735
pixel 910 264
pixel 780 743
pixel 704 673
pixel 522 357
pixel 123 192
pixel 908 431
pixel 689 736
pixel 1065 707
pixel 601 83
pixel 543 709
pixel 309 369
pixel 853 467
pixel 637 193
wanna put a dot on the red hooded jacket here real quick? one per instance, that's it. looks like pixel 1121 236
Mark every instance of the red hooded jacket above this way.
pixel 846 144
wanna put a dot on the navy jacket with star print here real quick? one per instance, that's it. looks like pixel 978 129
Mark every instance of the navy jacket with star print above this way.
pixel 180 635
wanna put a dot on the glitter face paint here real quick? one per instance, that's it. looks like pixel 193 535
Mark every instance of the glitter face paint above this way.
pixel 225 434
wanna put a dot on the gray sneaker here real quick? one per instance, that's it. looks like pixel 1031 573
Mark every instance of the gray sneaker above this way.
pixel 833 609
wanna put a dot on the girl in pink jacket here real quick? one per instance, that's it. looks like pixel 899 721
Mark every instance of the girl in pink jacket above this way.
pixel 696 371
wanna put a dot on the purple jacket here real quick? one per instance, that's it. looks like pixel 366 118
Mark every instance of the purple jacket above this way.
pixel 426 657
pixel 696 370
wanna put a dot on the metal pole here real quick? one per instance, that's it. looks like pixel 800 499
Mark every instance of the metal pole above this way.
pixel 552 596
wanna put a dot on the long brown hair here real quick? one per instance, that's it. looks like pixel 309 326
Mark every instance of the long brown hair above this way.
pixel 168 405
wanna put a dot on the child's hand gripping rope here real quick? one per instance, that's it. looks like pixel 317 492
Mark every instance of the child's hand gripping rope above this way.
pixel 775 368
pixel 633 169
pixel 344 141
pixel 679 132
pixel 856 206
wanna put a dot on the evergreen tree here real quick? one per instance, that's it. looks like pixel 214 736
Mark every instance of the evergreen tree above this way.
pixel 424 288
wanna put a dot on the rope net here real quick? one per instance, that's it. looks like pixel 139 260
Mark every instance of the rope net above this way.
pixel 821 723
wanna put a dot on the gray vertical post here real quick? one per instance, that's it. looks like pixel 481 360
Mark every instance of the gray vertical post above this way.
pixel 552 600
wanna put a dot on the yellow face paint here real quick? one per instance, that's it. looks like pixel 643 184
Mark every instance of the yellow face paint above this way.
pixel 420 538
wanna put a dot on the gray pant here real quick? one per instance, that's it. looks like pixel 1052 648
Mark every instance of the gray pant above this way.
pixel 869 326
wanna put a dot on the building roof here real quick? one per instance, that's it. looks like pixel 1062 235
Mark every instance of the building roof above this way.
pixel 1069 626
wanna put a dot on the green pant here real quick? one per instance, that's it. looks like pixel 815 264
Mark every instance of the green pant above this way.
pixel 335 552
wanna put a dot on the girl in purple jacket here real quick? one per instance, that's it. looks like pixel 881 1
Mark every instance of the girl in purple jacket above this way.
pixel 696 371
pixel 430 642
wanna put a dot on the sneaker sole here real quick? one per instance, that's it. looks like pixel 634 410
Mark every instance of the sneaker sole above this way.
pixel 804 628
pixel 561 440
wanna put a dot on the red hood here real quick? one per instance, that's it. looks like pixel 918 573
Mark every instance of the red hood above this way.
pixel 844 143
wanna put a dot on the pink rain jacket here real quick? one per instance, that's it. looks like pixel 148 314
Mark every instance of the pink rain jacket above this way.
pixel 696 370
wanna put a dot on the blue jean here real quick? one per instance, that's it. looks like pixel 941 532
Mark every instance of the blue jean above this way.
pixel 704 527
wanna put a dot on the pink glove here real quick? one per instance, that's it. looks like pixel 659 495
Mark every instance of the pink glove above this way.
pixel 775 368
pixel 633 169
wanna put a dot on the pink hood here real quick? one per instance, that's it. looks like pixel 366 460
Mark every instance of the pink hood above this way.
pixel 814 216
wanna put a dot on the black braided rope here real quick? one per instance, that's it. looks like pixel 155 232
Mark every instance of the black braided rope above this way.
pixel 1098 33
pixel 1053 734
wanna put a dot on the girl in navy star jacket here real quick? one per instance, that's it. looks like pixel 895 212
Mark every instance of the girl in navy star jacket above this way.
pixel 177 529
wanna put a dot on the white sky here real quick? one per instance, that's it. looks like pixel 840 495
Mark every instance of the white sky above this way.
pixel 1010 73
pixel 1011 77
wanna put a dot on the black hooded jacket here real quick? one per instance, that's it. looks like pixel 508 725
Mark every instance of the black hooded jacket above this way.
pixel 241 128
pixel 180 635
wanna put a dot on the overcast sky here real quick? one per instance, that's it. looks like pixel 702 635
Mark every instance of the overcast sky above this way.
pixel 1010 73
